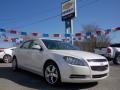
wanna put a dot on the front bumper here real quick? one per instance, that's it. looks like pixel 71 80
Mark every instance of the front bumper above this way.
pixel 82 74
pixel 2 55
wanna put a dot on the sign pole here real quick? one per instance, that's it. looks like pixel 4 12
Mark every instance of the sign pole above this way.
pixel 68 13
pixel 71 32
pixel 69 29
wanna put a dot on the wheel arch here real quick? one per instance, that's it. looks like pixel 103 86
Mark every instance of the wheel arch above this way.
pixel 14 57
pixel 117 53
pixel 7 54
pixel 114 60
pixel 49 61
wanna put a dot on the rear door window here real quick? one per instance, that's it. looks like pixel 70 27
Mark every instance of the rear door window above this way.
pixel 33 43
pixel 26 45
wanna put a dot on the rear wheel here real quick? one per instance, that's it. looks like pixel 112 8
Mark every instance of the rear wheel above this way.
pixel 14 64
pixel 51 73
pixel 117 59
pixel 7 58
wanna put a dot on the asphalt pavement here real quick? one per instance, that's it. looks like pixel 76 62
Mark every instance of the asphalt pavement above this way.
pixel 24 80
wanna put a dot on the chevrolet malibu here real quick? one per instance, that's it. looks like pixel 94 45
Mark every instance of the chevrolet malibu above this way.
pixel 58 61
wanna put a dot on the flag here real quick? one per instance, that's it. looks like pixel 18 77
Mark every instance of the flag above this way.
pixel 98 32
pixel 79 38
pixel 74 39
pixel 34 34
pixel 23 33
pixel 117 29
pixel 2 30
pixel 13 39
pixel 56 35
pixel 13 31
pixel 67 35
pixel 78 35
pixel 88 33
pixel 3 36
pixel 45 35
pixel 7 39
pixel 66 40
pixel 107 31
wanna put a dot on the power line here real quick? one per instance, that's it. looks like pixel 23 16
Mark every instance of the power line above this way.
pixel 41 12
pixel 39 21
pixel 89 3
pixel 52 17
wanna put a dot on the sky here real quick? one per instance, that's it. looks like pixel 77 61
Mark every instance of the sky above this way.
pixel 31 15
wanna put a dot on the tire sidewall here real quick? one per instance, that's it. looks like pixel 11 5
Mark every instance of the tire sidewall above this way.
pixel 116 61
pixel 9 60
pixel 59 80
pixel 15 68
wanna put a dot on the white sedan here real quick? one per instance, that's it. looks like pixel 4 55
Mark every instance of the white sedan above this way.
pixel 58 61
pixel 6 54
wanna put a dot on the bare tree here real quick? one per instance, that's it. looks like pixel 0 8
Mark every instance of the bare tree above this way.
pixel 88 44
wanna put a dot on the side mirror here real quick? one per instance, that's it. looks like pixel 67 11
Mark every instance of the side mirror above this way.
pixel 36 47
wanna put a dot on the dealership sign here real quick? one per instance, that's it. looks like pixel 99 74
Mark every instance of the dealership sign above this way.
pixel 68 9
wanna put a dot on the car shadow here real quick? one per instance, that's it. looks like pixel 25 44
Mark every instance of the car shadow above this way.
pixel 1 61
pixel 30 80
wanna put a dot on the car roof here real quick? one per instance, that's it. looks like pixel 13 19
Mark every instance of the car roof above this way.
pixel 11 48
pixel 44 39
pixel 50 39
pixel 115 45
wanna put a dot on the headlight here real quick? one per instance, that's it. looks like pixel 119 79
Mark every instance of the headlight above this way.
pixel 75 61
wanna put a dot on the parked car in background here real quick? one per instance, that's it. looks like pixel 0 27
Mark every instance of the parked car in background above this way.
pixel 101 51
pixel 6 54
pixel 112 52
pixel 58 61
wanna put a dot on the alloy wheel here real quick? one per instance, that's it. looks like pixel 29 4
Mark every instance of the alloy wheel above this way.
pixel 7 58
pixel 118 59
pixel 51 74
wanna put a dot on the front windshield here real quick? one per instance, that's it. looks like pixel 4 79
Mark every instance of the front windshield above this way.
pixel 58 45
pixel 115 45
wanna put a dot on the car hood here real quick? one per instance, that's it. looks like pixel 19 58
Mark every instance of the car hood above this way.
pixel 77 54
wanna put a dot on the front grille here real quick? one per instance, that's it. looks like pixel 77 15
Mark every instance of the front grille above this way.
pixel 99 76
pixel 78 76
pixel 99 68
pixel 97 60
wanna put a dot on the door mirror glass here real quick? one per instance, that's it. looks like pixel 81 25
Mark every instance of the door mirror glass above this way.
pixel 36 47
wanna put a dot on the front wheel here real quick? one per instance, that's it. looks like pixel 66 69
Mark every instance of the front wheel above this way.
pixel 51 73
pixel 14 64
pixel 117 59
pixel 7 58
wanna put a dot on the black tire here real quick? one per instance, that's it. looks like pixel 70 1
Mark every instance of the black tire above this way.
pixel 117 59
pixel 51 73
pixel 109 59
pixel 14 64
pixel 7 58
